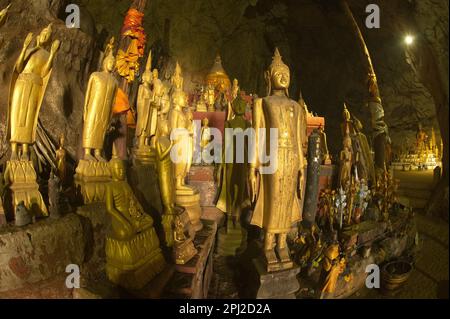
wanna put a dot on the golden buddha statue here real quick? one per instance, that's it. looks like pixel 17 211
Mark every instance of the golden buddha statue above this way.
pixel 324 146
pixel 210 98
pixel 346 158
pixel 235 89
pixel 201 102
pixel 133 255
pixel 100 95
pixel 165 169
pixel 61 164
pixel 3 14
pixel 181 127
pixel 205 135
pixel 184 249
pixel 93 172
pixel 146 109
pixel 177 80
pixel 178 120
pixel 332 266
pixel 278 199
pixel 217 77
pixel 30 77
pixel 158 88
pixel 29 82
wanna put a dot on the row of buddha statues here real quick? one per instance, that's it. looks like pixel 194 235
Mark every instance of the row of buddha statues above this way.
pixel 164 130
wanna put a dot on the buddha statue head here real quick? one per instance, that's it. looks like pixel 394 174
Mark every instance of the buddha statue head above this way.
pixel 117 167
pixel 205 122
pixel 278 76
pixel 45 35
pixel 109 62
pixel 346 114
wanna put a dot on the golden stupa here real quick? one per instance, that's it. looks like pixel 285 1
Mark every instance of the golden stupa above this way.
pixel 218 77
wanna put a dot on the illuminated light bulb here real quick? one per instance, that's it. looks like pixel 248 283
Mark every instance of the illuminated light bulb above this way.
pixel 409 39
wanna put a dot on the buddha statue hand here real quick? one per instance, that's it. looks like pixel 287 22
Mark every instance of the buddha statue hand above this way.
pixel 55 46
pixel 28 40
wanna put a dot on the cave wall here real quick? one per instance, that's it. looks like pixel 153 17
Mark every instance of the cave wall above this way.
pixel 313 36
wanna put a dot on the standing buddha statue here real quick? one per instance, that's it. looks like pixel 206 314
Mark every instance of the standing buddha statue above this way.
pixel 146 110
pixel 93 172
pixel 30 77
pixel 278 199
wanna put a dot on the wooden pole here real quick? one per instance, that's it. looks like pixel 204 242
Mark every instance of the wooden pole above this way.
pixel 379 127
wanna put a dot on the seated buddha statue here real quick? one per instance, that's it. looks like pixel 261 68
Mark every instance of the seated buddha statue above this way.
pixel 133 254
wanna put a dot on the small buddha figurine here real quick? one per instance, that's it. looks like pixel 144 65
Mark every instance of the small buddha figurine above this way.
pixel 133 255
pixel 279 195
pixel 61 164
pixel 211 98
pixel 157 88
pixel 205 135
pixel 146 109
pixel 324 146
pixel 332 266
pixel 201 102
pixel 3 14
pixel 184 249
pixel 234 89
pixel 100 96
pixel 346 157
pixel 29 82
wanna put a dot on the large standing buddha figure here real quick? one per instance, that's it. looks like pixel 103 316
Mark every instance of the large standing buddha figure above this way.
pixel 31 74
pixel 278 198
pixel 100 95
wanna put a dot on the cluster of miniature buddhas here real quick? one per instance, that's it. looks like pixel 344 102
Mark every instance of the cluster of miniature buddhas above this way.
pixel 425 153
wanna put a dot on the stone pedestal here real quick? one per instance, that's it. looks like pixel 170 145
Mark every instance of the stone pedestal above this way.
pixel 133 263
pixel 91 180
pixel 20 178
pixel 191 202
pixel 273 285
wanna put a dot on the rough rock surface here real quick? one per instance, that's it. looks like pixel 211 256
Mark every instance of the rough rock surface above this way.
pixel 40 251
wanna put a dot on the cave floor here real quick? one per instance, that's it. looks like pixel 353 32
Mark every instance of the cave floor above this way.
pixel 428 280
